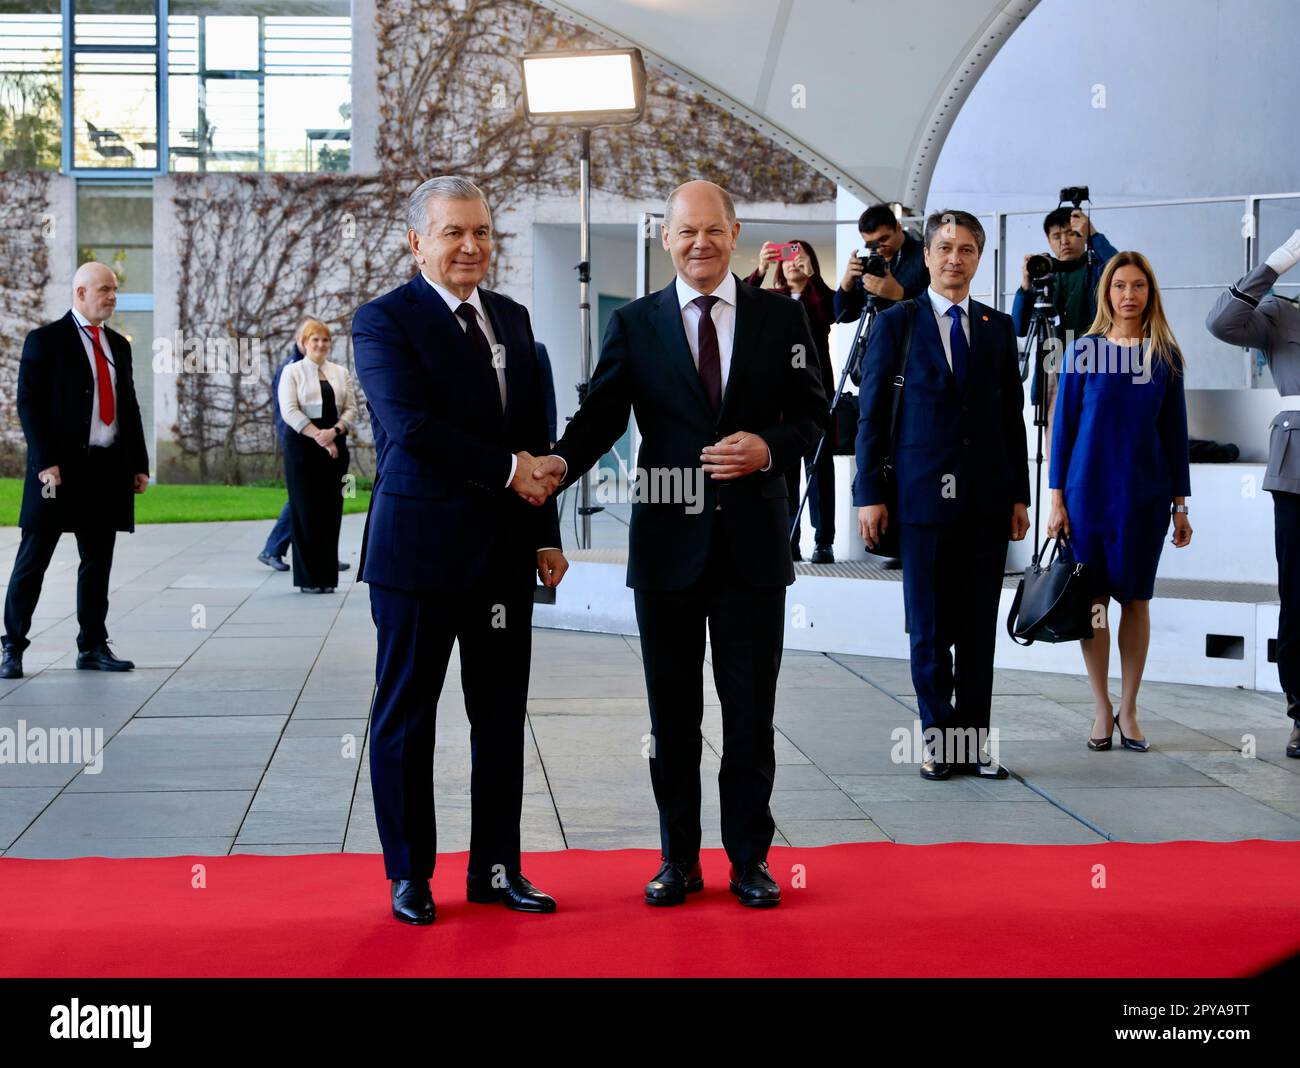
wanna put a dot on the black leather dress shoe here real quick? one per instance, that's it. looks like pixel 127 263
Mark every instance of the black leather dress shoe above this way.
pixel 823 554
pixel 344 565
pixel 754 886
pixel 11 667
pixel 272 561
pixel 935 769
pixel 413 902
pixel 517 894
pixel 1292 745
pixel 673 881
pixel 101 659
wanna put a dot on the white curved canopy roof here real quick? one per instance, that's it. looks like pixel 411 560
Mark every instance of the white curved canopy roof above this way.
pixel 881 81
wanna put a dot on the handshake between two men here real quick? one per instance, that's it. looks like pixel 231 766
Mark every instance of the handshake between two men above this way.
pixel 537 477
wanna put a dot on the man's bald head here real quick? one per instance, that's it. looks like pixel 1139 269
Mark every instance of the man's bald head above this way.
pixel 697 194
pixel 94 291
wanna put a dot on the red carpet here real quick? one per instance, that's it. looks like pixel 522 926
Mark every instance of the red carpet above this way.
pixel 1173 909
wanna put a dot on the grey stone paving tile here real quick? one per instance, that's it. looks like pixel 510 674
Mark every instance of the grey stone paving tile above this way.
pixel 63 849
pixel 309 727
pixel 813 805
pixel 234 679
pixel 300 809
pixel 1254 778
pixel 80 820
pixel 590 735
pixel 1053 765
pixel 185 754
pixel 867 790
pixel 82 687
pixel 171 700
pixel 1207 814
pixel 634 706
pixel 829 832
pixel 285 849
pixel 19 806
pixel 805 776
pixel 919 823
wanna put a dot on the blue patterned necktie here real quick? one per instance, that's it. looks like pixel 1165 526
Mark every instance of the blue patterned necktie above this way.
pixel 960 347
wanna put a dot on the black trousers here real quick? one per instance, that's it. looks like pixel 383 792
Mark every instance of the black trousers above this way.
pixel 821 496
pixel 416 632
pixel 95 547
pixel 952 582
pixel 1286 539
pixel 315 484
pixel 745 626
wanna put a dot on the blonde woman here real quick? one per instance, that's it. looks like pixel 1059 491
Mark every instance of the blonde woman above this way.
pixel 319 406
pixel 1119 474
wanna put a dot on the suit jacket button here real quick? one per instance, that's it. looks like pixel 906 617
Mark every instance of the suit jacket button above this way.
pixel 965 441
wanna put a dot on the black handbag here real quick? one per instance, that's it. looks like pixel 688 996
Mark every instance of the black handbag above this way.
pixel 1052 603
pixel 888 543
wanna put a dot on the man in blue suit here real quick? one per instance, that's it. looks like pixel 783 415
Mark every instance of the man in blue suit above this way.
pixel 451 544
pixel 960 463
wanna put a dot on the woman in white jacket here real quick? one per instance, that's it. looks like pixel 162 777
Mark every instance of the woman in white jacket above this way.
pixel 319 405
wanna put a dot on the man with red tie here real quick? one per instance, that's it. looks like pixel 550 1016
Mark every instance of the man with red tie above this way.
pixel 86 459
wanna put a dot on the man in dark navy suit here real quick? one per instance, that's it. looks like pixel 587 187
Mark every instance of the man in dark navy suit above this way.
pixel 961 465
pixel 724 381
pixel 456 531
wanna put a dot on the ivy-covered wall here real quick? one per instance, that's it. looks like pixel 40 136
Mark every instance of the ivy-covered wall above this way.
pixel 244 257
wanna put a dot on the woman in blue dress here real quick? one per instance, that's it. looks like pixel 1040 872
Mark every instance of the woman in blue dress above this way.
pixel 1119 471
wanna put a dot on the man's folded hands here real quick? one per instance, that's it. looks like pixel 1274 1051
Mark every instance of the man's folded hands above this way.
pixel 537 477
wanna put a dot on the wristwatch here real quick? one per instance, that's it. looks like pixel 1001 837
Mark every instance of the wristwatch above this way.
pixel 1178 508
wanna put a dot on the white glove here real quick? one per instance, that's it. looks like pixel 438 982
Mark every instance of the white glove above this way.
pixel 1287 256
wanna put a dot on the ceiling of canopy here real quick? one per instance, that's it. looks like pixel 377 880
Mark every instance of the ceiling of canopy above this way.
pixel 863 90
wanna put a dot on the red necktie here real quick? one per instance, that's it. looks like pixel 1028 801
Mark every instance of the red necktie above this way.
pixel 102 380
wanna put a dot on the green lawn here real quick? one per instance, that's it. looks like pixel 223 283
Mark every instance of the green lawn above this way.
pixel 189 504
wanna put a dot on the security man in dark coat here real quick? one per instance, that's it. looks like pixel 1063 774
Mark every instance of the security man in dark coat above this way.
pixel 86 459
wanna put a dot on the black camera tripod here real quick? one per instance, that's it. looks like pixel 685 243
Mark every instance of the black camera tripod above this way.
pixel 852 368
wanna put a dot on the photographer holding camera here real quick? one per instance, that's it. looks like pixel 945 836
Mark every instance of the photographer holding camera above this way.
pixel 891 268
pixel 1070 275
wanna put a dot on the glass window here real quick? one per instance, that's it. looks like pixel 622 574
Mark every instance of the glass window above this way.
pixel 115 227
pixel 31 87
pixel 114 110
pixel 259 92
pixel 115 22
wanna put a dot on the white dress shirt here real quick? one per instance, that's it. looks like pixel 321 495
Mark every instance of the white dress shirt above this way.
pixel 724 321
pixel 941 304
pixel 476 302
pixel 724 324
pixel 101 433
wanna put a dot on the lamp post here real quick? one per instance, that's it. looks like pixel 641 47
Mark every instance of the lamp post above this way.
pixel 584 89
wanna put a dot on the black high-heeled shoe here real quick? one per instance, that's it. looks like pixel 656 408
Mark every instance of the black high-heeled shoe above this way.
pixel 1131 743
pixel 1100 745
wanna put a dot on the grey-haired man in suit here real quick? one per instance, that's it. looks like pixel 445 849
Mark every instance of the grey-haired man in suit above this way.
pixel 1247 314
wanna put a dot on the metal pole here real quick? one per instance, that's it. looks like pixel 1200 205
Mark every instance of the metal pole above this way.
pixel 584 308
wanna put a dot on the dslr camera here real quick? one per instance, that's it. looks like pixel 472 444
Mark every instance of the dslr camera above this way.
pixel 873 263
